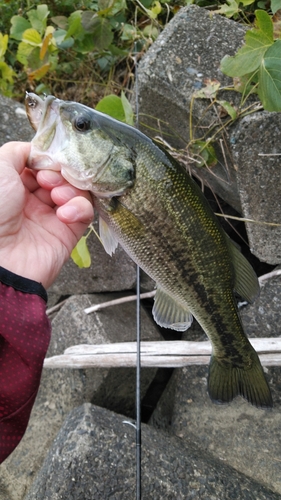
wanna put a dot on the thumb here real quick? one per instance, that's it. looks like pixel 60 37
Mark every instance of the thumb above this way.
pixel 15 155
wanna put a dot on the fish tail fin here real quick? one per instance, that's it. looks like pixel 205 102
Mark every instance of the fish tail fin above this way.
pixel 226 381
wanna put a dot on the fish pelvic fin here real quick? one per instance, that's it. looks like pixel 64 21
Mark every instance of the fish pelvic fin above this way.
pixel 246 282
pixel 107 237
pixel 170 314
pixel 226 381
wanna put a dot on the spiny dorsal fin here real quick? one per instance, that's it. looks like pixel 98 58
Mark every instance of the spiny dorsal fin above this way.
pixel 107 237
pixel 246 281
pixel 169 314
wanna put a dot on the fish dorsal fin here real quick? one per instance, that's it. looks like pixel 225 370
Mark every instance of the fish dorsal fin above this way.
pixel 107 237
pixel 246 281
pixel 169 314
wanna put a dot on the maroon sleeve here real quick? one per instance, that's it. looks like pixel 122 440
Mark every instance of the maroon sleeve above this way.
pixel 24 339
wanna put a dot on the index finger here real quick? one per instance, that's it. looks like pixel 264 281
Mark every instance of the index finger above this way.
pixel 15 154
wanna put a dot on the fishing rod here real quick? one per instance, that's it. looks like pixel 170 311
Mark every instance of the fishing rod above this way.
pixel 138 394
pixel 138 328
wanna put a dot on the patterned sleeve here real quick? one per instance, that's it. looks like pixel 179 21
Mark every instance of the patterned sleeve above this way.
pixel 24 339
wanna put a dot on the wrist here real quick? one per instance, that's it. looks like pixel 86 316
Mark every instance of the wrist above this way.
pixel 22 283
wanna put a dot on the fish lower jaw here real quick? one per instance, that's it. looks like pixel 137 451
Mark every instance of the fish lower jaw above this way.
pixel 76 178
pixel 43 162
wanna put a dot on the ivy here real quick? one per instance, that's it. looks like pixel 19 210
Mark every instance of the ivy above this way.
pixel 257 63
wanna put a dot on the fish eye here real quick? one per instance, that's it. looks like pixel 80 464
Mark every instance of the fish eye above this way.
pixel 82 124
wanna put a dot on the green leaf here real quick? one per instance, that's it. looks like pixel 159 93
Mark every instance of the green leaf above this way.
pixel 245 3
pixel 229 8
pixel 85 45
pixel 118 6
pixel 99 27
pixel 80 254
pixel 88 20
pixel 231 111
pixel 38 18
pixel 102 33
pixel 112 105
pixel 128 110
pixel 150 31
pixel 209 91
pixel 23 53
pixel 3 44
pixel 269 89
pixel 60 21
pixel 249 57
pixel 61 40
pixel 246 84
pixel 110 8
pixel 32 37
pixel 204 153
pixel 129 32
pixel 6 72
pixel 74 25
pixel 275 5
pixel 19 25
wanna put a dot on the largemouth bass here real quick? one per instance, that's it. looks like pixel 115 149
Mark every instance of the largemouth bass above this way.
pixel 150 205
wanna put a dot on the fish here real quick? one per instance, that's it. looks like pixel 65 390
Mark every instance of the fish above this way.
pixel 148 204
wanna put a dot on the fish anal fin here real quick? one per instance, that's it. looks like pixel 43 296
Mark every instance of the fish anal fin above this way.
pixel 170 314
pixel 226 381
pixel 246 281
pixel 107 237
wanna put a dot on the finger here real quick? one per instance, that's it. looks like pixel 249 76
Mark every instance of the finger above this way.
pixel 15 155
pixel 78 209
pixel 48 179
pixel 66 192
pixel 29 180
pixel 44 196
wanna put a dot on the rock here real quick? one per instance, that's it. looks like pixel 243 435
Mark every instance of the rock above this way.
pixel 62 390
pixel 106 274
pixel 14 124
pixel 262 318
pixel 187 52
pixel 93 457
pixel 255 144
pixel 242 436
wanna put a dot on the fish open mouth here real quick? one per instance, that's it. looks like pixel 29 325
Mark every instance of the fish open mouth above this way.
pixel 50 137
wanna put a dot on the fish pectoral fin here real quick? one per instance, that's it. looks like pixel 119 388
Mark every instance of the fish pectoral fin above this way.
pixel 226 381
pixel 246 281
pixel 169 314
pixel 107 237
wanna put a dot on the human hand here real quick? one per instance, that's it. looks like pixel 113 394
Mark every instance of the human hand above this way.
pixel 41 217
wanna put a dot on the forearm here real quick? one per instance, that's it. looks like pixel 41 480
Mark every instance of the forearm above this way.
pixel 24 338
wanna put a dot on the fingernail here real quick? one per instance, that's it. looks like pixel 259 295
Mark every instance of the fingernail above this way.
pixel 51 177
pixel 69 212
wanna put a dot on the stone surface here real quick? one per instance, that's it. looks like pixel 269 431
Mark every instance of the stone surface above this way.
pixel 242 436
pixel 262 318
pixel 186 53
pixel 246 438
pixel 259 180
pixel 62 390
pixel 93 457
pixel 14 125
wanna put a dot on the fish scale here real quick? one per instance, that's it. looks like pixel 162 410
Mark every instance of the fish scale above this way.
pixel 150 205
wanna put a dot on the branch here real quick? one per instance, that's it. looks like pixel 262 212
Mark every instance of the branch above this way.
pixel 154 354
